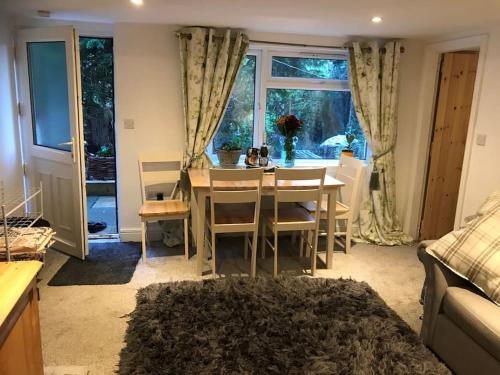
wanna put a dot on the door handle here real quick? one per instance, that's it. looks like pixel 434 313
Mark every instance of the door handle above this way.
pixel 72 144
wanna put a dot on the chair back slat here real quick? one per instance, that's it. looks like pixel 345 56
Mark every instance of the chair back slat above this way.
pixel 297 195
pixel 159 177
pixel 299 174
pixel 245 196
pixel 159 172
pixel 349 172
pixel 236 174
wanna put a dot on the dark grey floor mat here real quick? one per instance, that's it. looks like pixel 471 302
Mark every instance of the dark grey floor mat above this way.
pixel 108 263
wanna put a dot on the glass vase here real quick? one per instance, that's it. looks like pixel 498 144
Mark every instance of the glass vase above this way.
pixel 288 155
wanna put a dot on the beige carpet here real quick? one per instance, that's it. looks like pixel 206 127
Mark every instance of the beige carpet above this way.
pixel 85 325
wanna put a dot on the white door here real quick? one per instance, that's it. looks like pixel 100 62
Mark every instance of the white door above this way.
pixel 48 68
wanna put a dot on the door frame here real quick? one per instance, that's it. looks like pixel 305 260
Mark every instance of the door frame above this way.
pixel 425 122
pixel 111 236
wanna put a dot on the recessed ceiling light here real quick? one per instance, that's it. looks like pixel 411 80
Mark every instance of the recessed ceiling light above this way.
pixel 137 2
pixel 377 19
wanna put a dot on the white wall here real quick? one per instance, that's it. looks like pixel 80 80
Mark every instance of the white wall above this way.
pixel 148 91
pixel 409 89
pixel 484 169
pixel 10 153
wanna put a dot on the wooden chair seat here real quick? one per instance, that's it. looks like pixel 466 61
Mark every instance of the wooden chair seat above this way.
pixel 242 214
pixel 152 209
pixel 340 208
pixel 288 215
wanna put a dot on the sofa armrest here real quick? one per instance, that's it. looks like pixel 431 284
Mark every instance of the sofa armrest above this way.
pixel 437 279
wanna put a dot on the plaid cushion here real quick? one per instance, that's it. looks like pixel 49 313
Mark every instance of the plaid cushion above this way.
pixel 473 252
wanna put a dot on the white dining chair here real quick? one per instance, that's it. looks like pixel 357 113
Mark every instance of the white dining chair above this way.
pixel 288 216
pixel 350 171
pixel 235 196
pixel 159 173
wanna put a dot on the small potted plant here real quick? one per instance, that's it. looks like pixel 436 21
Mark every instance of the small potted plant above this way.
pixel 229 153
pixel 348 151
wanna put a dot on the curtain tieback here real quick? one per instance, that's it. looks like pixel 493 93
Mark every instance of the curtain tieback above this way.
pixel 192 157
pixel 375 176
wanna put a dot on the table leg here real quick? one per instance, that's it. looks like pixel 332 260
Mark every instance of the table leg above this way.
pixel 332 205
pixel 143 240
pixel 194 216
pixel 200 231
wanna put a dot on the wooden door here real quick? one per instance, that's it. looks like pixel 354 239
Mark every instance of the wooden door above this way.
pixel 451 120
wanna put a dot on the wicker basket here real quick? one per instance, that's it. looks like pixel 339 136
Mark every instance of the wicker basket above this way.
pixel 228 157
pixel 101 168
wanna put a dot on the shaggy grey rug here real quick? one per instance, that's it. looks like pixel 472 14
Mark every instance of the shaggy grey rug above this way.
pixel 270 326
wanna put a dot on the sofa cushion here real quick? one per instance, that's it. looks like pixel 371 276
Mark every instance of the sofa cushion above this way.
pixel 473 252
pixel 477 316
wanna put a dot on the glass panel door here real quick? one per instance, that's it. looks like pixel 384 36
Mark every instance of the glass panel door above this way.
pixel 48 78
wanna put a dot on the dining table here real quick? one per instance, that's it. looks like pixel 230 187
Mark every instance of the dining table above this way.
pixel 200 190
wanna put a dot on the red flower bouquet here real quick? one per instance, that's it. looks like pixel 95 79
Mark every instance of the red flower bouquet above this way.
pixel 289 125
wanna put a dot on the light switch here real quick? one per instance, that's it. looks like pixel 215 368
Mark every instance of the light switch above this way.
pixel 481 140
pixel 128 123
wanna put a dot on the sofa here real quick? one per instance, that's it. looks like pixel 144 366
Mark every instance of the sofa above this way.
pixel 460 324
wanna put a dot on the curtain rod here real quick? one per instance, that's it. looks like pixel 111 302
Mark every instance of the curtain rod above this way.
pixel 188 36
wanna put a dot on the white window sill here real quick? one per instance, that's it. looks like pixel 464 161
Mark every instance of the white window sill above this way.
pixel 298 162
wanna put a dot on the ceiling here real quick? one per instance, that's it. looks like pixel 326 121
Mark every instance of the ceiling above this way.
pixel 402 18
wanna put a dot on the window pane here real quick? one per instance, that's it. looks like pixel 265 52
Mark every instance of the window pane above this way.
pixel 237 123
pixel 49 94
pixel 300 67
pixel 328 116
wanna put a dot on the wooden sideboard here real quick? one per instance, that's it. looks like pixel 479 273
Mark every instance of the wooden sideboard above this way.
pixel 20 342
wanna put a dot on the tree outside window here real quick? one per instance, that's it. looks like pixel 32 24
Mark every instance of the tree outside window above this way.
pixel 294 85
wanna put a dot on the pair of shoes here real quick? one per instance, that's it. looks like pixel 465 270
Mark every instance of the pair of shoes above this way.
pixel 96 226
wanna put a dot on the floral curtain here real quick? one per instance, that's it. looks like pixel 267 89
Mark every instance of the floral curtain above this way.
pixel 374 88
pixel 210 61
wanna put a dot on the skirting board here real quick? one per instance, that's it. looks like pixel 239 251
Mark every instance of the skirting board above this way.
pixel 134 234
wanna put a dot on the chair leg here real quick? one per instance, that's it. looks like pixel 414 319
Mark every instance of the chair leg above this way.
pixel 309 243
pixel 245 241
pixel 253 267
pixel 348 236
pixel 213 255
pixel 275 253
pixel 186 239
pixel 301 244
pixel 143 240
pixel 314 254
pixel 263 239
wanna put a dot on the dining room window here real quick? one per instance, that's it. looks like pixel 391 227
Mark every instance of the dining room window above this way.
pixel 312 84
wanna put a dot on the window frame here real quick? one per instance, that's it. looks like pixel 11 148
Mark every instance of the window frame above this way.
pixel 264 81
pixel 256 106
